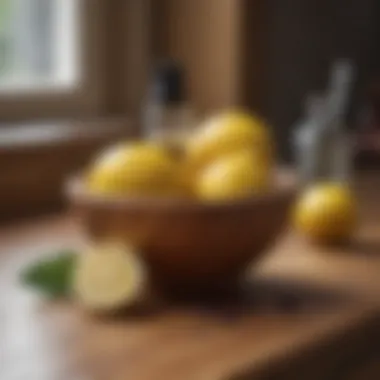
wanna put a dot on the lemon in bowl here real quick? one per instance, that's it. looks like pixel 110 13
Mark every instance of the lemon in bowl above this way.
pixel 234 176
pixel 190 244
pixel 226 133
pixel 133 169
pixel 235 206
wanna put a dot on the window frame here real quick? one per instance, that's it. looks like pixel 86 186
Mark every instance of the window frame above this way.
pixel 84 101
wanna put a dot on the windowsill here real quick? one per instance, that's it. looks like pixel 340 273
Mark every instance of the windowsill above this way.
pixel 17 86
pixel 37 159
pixel 38 135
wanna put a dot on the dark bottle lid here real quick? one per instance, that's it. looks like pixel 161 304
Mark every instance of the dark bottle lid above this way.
pixel 168 83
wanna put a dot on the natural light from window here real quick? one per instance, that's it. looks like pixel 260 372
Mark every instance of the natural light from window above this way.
pixel 38 45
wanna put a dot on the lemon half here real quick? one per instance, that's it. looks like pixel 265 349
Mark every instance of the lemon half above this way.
pixel 108 277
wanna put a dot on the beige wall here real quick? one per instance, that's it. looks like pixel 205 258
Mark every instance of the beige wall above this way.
pixel 207 37
pixel 128 54
pixel 214 39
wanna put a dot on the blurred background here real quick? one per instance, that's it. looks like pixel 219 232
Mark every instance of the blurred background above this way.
pixel 74 75
pixel 37 42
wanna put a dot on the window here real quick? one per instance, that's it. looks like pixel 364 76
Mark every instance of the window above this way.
pixel 38 46
pixel 48 57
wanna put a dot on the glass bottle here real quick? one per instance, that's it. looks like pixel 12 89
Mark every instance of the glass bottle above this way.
pixel 168 114
pixel 340 143
pixel 323 146
pixel 310 143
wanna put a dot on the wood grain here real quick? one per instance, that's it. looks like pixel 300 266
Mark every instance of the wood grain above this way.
pixel 188 244
pixel 355 266
pixel 309 313
pixel 212 52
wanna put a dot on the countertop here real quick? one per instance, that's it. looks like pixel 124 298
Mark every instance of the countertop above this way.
pixel 307 313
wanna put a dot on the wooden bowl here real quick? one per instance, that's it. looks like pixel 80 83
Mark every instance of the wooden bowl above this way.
pixel 188 242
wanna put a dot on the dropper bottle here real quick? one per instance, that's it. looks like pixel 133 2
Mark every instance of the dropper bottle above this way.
pixel 168 115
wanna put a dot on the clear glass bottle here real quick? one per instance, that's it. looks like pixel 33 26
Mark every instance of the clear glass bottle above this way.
pixel 323 146
pixel 341 78
pixel 311 143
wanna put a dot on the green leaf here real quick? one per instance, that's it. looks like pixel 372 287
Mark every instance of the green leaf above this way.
pixel 51 276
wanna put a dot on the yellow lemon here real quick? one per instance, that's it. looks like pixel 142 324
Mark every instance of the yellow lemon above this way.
pixel 326 213
pixel 185 179
pixel 234 176
pixel 133 169
pixel 108 277
pixel 226 133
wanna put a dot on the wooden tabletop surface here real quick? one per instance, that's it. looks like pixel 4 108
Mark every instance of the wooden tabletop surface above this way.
pixel 355 267
pixel 299 298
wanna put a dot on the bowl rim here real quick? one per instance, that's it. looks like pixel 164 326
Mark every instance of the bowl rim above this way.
pixel 78 195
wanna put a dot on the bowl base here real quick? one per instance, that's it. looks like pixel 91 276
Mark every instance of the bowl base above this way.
pixel 205 291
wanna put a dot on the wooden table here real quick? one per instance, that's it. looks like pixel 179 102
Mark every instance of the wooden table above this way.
pixel 309 313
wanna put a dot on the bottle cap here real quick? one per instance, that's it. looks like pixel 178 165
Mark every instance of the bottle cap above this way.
pixel 168 83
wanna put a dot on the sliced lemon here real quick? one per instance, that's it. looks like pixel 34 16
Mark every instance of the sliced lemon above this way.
pixel 108 277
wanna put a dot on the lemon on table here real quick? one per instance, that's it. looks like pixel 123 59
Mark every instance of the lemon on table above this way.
pixel 108 277
pixel 226 133
pixel 234 176
pixel 326 213
pixel 133 169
